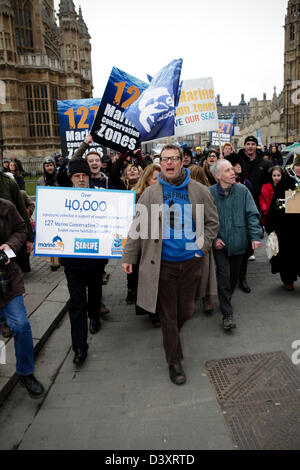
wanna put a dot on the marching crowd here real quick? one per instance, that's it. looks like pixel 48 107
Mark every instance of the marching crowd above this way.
pixel 205 252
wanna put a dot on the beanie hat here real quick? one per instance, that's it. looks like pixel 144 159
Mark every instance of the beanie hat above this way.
pixel 79 166
pixel 49 160
pixel 251 138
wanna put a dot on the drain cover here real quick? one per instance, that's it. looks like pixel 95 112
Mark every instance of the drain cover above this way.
pixel 259 396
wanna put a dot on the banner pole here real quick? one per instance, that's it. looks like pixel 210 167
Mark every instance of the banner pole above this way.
pixel 220 144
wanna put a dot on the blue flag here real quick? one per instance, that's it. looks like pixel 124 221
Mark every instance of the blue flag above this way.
pixel 153 114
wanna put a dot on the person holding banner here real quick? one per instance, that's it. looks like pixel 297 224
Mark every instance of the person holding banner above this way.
pixel 98 179
pixel 122 176
pixel 171 255
pixel 83 275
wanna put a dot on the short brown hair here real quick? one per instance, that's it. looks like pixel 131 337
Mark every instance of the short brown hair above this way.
pixel 93 152
pixel 172 147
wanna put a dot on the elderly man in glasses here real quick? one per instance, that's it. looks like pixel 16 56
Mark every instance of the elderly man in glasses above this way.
pixel 181 223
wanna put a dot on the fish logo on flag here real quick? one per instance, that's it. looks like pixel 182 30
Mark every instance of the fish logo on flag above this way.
pixel 153 114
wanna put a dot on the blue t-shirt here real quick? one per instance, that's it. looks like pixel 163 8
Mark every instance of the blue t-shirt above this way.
pixel 179 231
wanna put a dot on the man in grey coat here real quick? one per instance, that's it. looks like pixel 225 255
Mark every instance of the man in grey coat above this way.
pixel 175 224
pixel 239 221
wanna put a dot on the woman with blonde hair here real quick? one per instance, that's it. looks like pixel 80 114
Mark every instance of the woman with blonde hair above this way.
pixel 208 282
pixel 149 177
pixel 130 176
pixel 198 174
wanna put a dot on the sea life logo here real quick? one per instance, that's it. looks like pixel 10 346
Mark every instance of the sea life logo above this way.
pixel 86 246
pixel 56 245
pixel 118 245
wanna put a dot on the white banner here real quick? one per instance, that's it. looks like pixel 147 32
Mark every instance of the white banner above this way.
pixel 197 109
pixel 82 223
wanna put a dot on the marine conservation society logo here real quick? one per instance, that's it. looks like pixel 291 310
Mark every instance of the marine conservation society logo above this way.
pixel 118 245
pixel 56 245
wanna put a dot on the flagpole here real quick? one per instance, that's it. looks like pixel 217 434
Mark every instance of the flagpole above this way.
pixel 220 144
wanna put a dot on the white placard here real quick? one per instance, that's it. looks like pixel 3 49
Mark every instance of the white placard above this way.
pixel 197 110
pixel 82 223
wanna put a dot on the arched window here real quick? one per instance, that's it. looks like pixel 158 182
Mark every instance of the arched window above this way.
pixel 23 26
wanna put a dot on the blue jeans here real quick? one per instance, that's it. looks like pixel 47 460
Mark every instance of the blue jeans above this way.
pixel 14 313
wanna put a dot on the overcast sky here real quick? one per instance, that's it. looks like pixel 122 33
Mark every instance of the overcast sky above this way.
pixel 240 43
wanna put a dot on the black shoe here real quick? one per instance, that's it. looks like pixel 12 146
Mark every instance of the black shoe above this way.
pixel 32 385
pixel 95 325
pixel 55 268
pixel 244 286
pixel 80 356
pixel 155 320
pixel 131 296
pixel 177 374
pixel 228 322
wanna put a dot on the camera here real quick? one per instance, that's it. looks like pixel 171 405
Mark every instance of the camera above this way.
pixel 5 285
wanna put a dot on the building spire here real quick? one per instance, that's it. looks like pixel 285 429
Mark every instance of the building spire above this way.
pixel 67 8
pixel 83 27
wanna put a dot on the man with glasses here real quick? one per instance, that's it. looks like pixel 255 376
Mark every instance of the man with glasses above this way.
pixel 182 222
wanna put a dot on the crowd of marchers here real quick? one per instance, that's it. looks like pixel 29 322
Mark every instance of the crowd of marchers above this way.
pixel 243 197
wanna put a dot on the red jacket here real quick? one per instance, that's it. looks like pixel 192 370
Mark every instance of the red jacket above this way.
pixel 265 199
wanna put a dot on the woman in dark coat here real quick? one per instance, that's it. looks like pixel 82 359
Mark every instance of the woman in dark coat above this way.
pixel 286 226
pixel 15 169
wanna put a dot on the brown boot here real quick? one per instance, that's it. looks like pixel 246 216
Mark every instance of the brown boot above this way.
pixel 207 305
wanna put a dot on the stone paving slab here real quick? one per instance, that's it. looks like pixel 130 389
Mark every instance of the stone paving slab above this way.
pixel 122 397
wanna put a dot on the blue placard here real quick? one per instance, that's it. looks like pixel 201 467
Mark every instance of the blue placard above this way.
pixel 153 114
pixel 76 118
pixel 111 128
pixel 226 130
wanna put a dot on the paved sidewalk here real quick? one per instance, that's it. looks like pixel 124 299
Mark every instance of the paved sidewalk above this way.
pixel 122 398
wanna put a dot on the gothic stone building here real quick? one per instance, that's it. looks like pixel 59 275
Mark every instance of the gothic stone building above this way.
pixel 292 71
pixel 279 119
pixel 40 62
